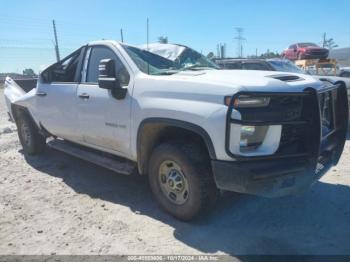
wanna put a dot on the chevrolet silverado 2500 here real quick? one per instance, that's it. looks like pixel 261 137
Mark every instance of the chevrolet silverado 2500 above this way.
pixel 193 129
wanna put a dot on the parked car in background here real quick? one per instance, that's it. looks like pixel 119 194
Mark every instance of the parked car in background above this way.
pixel 281 65
pixel 305 51
pixel 344 71
pixel 191 128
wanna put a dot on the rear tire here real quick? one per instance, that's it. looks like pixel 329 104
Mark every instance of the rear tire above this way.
pixel 181 180
pixel 32 141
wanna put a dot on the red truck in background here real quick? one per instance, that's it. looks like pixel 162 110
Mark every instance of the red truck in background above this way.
pixel 305 51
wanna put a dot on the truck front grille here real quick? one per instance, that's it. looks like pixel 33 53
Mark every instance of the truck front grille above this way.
pixel 281 108
pixel 313 122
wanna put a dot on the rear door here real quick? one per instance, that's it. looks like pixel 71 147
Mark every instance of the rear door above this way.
pixel 104 121
pixel 56 97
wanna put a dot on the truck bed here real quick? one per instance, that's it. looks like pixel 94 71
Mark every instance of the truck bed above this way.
pixel 26 84
pixel 15 89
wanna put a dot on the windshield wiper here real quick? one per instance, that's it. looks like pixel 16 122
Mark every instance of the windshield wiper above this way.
pixel 167 72
pixel 194 67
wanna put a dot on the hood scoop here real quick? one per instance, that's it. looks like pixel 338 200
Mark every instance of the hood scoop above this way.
pixel 286 78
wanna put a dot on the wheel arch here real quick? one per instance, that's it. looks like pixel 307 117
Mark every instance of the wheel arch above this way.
pixel 17 110
pixel 153 131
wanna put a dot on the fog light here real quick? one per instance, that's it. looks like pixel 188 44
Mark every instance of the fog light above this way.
pixel 252 137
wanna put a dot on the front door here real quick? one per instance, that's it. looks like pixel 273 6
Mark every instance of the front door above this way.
pixel 104 121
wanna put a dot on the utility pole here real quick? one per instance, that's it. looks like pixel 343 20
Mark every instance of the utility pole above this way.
pixel 121 35
pixel 324 40
pixel 56 41
pixel 147 42
pixel 256 52
pixel 147 32
pixel 240 39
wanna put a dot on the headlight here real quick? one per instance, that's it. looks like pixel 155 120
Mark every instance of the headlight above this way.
pixel 248 101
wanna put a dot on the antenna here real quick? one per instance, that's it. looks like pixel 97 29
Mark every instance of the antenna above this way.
pixel 56 41
pixel 240 39
pixel 121 35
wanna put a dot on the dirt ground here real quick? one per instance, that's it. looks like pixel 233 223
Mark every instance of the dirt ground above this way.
pixel 57 204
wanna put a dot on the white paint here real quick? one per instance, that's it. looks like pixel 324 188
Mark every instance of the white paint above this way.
pixel 194 97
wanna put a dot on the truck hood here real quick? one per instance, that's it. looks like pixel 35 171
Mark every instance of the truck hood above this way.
pixel 251 80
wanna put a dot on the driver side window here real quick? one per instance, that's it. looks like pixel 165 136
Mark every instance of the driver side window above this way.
pixel 96 55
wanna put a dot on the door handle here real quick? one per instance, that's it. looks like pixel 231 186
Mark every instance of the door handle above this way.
pixel 41 94
pixel 84 96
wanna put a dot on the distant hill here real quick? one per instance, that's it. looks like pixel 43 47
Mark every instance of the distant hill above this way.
pixel 342 55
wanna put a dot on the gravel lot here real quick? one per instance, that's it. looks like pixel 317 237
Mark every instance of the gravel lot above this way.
pixel 57 204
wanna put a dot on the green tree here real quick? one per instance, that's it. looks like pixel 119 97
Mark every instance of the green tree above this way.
pixel 29 72
pixel 163 39
pixel 328 43
pixel 210 55
pixel 269 54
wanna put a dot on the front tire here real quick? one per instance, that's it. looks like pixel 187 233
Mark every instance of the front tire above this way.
pixel 181 180
pixel 32 141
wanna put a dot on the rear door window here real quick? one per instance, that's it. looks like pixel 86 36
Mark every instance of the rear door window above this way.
pixel 65 71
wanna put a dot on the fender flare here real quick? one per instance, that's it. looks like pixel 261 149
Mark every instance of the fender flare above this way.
pixel 174 123
pixel 15 111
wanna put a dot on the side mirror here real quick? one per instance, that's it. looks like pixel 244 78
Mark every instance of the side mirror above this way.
pixel 107 79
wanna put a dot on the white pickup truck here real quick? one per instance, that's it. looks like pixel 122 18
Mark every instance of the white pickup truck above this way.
pixel 193 129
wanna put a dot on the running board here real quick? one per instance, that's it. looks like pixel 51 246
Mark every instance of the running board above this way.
pixel 108 161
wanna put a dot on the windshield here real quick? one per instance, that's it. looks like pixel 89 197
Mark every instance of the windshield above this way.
pixel 189 58
pixel 153 64
pixel 148 62
pixel 285 66
pixel 306 44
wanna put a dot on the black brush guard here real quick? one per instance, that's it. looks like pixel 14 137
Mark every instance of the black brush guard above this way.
pixel 306 151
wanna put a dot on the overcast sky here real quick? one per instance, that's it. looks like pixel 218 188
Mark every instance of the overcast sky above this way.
pixel 26 38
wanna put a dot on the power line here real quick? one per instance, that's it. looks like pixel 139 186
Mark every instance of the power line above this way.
pixel 240 39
